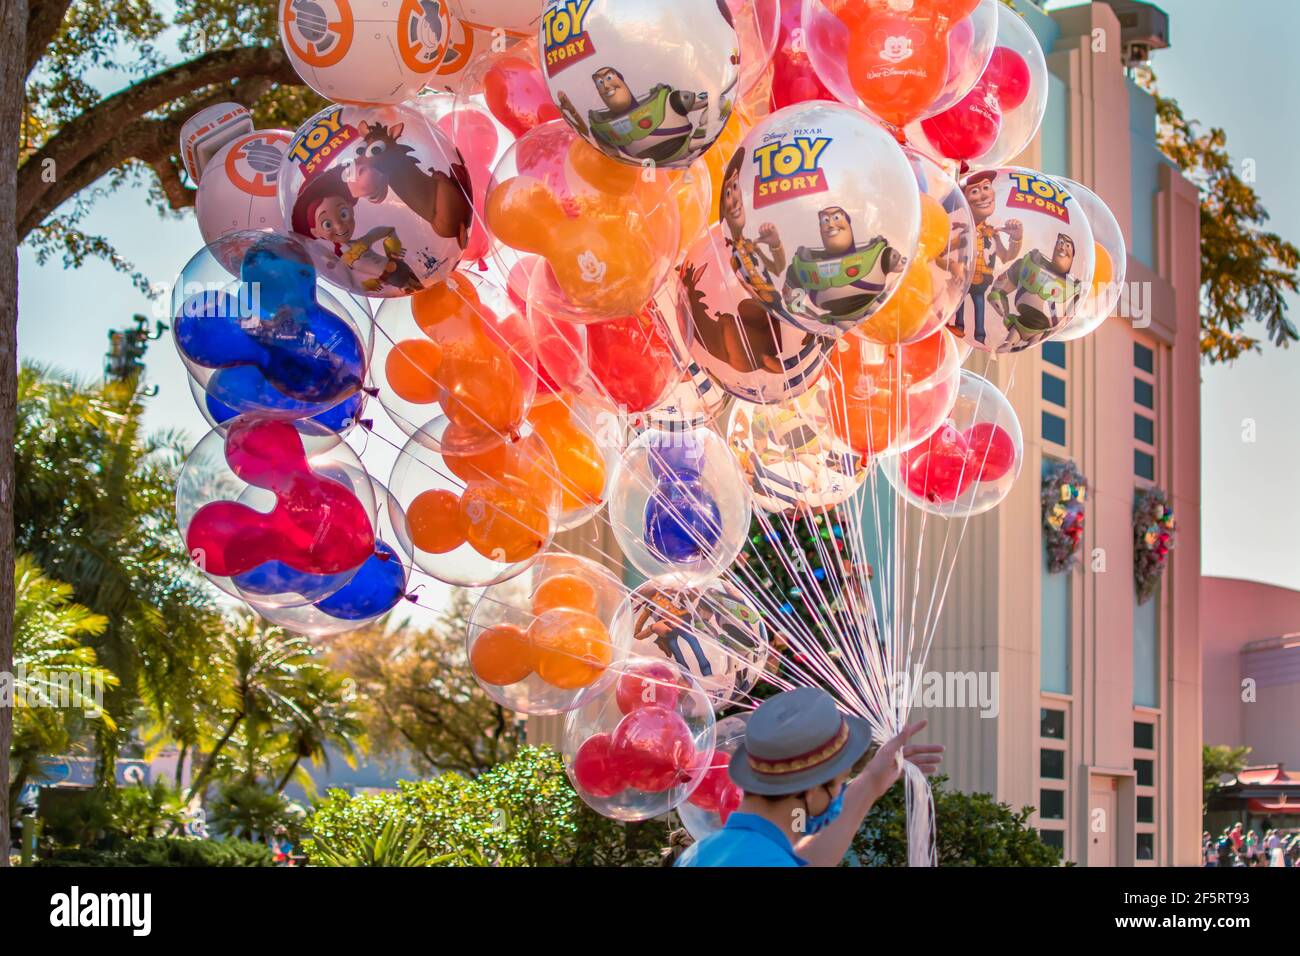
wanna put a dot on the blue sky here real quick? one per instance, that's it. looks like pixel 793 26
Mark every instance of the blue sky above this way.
pixel 1231 71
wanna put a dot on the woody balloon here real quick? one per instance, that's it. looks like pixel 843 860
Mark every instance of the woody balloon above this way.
pixel 821 214
pixel 381 199
pixel 630 90
pixel 1034 260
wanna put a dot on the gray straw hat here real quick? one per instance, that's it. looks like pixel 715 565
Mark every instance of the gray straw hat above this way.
pixel 795 741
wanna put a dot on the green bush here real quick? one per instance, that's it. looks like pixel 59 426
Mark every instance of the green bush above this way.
pixel 521 813
pixel 973 830
pixel 166 851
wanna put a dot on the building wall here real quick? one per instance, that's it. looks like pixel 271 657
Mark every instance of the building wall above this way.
pixel 994 613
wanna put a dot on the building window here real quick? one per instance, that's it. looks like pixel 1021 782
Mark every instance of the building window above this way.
pixel 1054 353
pixel 1146 846
pixel 1053 838
pixel 1146 809
pixel 1054 646
pixel 1146 653
pixel 1144 358
pixel 1144 429
pixel 1144 465
pixel 1051 723
pixel 1146 772
pixel 1051 764
pixel 1053 389
pixel 1144 735
pixel 1052 804
pixel 1053 428
pixel 1144 393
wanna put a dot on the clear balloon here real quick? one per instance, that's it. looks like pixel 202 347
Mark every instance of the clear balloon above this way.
pixel 939 275
pixel 550 639
pixel 1111 268
pixel 794 79
pixel 340 419
pixel 260 335
pixel 364 52
pixel 276 513
pixel 476 517
pixel 633 96
pixel 706 810
pixel 511 16
pixel 968 466
pixel 377 587
pixel 382 200
pixel 1034 259
pixel 821 213
pixel 749 351
pixel 679 506
pixel 883 398
pixel 970 44
pixel 461 350
pixel 711 632
pixel 758 27
pixel 791 455
pixel 608 234
pixel 636 755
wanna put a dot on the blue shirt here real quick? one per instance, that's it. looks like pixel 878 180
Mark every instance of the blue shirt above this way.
pixel 746 840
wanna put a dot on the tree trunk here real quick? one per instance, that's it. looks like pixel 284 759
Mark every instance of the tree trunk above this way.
pixel 13 72
pixel 199 782
pixel 288 774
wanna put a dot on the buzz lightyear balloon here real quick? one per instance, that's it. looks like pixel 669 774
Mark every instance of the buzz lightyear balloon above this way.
pixel 711 632
pixel 649 82
pixel 1034 260
pixel 821 214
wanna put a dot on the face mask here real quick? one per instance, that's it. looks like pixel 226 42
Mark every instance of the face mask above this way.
pixel 828 816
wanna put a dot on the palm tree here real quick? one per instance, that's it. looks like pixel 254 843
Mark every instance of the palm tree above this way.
pixel 57 680
pixel 332 723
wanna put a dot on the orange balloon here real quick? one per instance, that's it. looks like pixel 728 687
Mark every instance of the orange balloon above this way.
pixel 435 523
pixel 565 590
pixel 571 648
pixel 908 309
pixel 447 303
pixel 898 54
pixel 1103 272
pixel 599 171
pixel 692 190
pixel 412 369
pixel 505 521
pixel 936 228
pixel 579 465
pixel 724 147
pixel 502 655
pixel 484 392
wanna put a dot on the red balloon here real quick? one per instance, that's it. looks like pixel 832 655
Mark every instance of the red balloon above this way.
pixel 643 685
pixel 318 526
pixel 476 138
pixel 655 747
pixel 968 129
pixel 1008 76
pixel 940 469
pixel 730 800
pixel 595 770
pixel 516 94
pixel 992 450
pixel 708 795
pixel 632 361
pixel 793 78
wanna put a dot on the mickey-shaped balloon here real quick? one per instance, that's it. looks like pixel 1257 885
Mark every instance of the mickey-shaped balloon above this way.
pixel 266 345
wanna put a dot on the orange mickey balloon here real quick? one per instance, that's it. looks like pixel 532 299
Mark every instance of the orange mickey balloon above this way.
pixel 412 370
pixel 898 52
pixel 1103 272
pixel 579 464
pixel 506 521
pixel 910 312
pixel 565 590
pixel 435 522
pixel 571 648
pixel 502 655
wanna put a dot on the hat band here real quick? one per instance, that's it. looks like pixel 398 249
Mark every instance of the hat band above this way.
pixel 804 761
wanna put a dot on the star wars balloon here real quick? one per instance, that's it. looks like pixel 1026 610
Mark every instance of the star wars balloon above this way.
pixel 238 190
pixel 365 52
pixel 711 632
pixel 1034 259
pixel 633 91
pixel 204 133
pixel 380 198
pixel 821 214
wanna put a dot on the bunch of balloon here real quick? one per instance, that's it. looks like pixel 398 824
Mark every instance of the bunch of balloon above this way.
pixel 642 746
pixel 549 639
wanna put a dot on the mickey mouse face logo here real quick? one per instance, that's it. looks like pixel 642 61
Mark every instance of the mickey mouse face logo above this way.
pixel 896 49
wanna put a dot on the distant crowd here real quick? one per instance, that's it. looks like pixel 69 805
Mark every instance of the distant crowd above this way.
pixel 1237 846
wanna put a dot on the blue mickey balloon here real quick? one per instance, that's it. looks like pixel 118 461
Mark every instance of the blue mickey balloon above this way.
pixel 681 455
pixel 683 523
pixel 375 589
pixel 274 578
pixel 274 344
pixel 337 419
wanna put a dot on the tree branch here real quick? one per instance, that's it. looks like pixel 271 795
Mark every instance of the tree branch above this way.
pixel 44 17
pixel 248 71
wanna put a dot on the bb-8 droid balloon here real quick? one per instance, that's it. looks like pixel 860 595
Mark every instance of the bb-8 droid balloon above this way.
pixel 207 131
pixel 237 191
pixel 365 52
